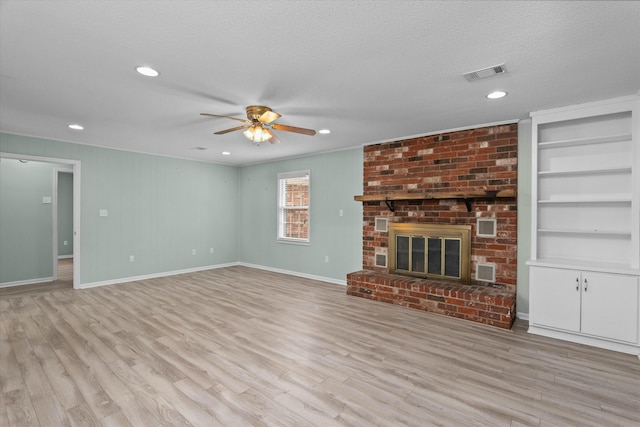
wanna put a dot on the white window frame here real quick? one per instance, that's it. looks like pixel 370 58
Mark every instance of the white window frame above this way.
pixel 281 210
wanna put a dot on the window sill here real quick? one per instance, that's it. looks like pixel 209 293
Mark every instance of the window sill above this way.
pixel 294 242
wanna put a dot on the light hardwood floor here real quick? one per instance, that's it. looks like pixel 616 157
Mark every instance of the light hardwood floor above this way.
pixel 238 346
pixel 65 281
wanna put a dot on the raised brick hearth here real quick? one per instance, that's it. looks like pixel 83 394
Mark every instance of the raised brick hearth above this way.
pixel 465 162
pixel 492 306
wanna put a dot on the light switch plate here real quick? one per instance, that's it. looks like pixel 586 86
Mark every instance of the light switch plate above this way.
pixel 104 212
pixel 46 200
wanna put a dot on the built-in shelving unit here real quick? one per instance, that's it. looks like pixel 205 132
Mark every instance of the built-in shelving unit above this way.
pixel 586 223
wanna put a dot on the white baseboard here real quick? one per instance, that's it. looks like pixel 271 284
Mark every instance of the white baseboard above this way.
pixel 183 271
pixel 586 340
pixel 153 276
pixel 65 256
pixel 296 273
pixel 523 316
pixel 26 282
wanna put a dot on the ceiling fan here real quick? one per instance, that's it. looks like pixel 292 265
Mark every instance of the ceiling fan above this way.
pixel 259 125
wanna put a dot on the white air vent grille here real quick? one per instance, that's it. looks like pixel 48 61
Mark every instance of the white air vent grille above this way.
pixel 381 260
pixel 486 273
pixel 486 227
pixel 382 224
pixel 485 72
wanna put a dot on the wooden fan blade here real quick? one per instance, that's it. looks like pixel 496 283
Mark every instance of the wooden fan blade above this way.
pixel 286 128
pixel 274 139
pixel 222 132
pixel 226 117
pixel 268 117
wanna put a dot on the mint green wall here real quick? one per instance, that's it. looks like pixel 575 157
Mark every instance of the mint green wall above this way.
pixel 162 208
pixel 65 214
pixel 26 223
pixel 335 178
pixel 524 215
pixel 159 209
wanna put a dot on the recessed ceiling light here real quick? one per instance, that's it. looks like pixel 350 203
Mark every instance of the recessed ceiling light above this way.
pixel 324 131
pixel 226 153
pixel 497 94
pixel 147 71
pixel 76 126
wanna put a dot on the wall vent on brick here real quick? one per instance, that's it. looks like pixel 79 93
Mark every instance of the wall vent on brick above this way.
pixel 381 260
pixel 486 272
pixel 382 224
pixel 486 227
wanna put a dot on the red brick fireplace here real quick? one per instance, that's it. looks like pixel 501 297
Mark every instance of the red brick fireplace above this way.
pixel 450 179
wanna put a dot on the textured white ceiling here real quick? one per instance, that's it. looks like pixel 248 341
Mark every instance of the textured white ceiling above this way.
pixel 370 71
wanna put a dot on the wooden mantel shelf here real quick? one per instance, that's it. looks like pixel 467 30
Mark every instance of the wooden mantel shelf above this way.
pixel 463 195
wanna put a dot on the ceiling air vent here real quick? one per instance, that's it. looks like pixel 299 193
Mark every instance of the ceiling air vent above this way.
pixel 485 72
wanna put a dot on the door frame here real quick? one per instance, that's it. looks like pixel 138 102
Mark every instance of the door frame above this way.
pixel 76 209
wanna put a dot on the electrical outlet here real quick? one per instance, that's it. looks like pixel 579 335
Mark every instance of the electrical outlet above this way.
pixel 326 258
pixel 341 213
pixel 65 243
pixel 210 250
pixel 131 258
pixel 193 251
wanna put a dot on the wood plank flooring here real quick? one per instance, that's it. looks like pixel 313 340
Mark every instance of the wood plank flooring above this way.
pixel 65 281
pixel 244 347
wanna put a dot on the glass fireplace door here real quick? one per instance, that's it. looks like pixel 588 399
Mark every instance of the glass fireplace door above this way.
pixel 432 256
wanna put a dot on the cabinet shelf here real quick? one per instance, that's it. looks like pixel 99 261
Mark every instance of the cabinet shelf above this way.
pixel 625 201
pixel 578 172
pixel 603 233
pixel 585 141
pixel 578 264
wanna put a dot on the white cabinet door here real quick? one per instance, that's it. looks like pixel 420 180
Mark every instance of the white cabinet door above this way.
pixel 610 306
pixel 555 298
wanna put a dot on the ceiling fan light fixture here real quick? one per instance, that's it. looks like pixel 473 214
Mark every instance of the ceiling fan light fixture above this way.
pixel 257 134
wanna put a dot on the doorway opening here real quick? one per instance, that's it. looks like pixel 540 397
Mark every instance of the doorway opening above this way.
pixel 72 266
pixel 63 225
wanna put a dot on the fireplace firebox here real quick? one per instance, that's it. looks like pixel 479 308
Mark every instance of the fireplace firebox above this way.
pixel 434 251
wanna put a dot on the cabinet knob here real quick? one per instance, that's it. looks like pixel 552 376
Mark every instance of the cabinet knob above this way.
pixel 586 285
pixel 577 284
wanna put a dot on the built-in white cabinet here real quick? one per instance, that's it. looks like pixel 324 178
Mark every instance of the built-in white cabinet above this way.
pixel 585 237
pixel 600 305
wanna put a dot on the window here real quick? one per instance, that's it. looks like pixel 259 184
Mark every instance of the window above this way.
pixel 293 206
